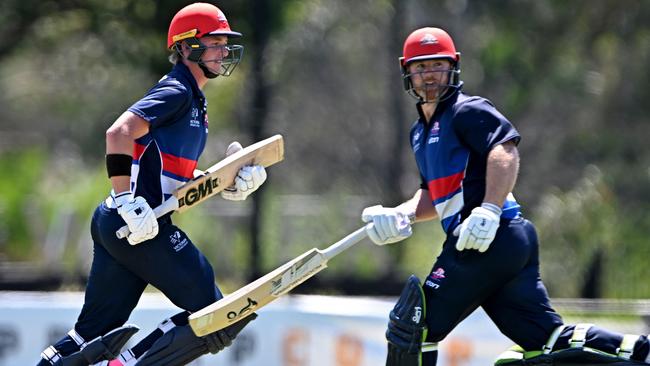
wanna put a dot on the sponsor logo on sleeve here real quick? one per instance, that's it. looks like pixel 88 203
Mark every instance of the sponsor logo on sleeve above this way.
pixel 435 278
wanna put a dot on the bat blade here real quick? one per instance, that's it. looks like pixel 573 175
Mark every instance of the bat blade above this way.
pixel 222 175
pixel 218 177
pixel 264 290
pixel 257 294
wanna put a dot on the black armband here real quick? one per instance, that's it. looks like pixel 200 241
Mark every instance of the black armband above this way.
pixel 118 164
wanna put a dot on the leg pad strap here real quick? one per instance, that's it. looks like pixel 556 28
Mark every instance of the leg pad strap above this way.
pixel 579 351
pixel 104 348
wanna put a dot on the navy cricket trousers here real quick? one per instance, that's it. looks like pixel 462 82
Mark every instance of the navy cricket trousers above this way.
pixel 120 272
pixel 504 280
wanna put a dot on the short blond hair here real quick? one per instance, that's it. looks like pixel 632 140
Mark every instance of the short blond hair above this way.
pixel 174 57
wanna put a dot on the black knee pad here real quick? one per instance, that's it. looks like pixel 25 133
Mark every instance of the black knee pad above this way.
pixel 406 326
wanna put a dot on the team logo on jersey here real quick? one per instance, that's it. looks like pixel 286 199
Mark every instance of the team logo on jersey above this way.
pixel 433 135
pixel 428 39
pixel 435 130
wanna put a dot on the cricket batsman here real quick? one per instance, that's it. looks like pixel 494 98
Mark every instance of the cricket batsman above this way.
pixel 466 153
pixel 152 149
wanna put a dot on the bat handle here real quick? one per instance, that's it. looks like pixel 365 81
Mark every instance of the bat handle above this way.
pixel 169 205
pixel 343 244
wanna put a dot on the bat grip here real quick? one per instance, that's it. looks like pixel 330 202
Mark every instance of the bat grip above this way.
pixel 166 207
pixel 346 242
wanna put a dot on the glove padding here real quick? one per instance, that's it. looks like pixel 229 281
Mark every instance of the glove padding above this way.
pixel 248 180
pixel 478 230
pixel 138 215
pixel 390 225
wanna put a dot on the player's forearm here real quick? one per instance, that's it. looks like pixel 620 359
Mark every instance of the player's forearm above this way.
pixel 501 175
pixel 119 143
pixel 121 183
pixel 421 205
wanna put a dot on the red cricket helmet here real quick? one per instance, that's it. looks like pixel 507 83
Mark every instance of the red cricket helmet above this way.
pixel 426 44
pixel 198 20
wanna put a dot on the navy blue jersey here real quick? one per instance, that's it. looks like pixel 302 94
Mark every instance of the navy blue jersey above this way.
pixel 166 157
pixel 451 153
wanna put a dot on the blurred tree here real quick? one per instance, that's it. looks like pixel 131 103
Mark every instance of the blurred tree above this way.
pixel 266 17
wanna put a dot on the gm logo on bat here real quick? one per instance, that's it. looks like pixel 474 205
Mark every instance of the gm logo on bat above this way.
pixel 198 193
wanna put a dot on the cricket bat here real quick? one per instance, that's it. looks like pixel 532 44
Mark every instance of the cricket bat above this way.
pixel 218 177
pixel 243 302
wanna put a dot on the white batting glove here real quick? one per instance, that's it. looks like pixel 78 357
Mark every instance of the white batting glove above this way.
pixel 248 180
pixel 478 230
pixel 390 225
pixel 138 215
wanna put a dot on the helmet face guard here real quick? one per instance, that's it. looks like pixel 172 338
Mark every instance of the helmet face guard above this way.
pixel 227 56
pixel 443 91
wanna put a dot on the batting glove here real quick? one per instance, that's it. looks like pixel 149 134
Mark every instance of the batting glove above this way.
pixel 138 215
pixel 390 225
pixel 248 180
pixel 478 230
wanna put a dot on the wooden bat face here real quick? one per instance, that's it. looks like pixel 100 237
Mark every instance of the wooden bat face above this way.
pixel 218 177
pixel 274 284
pixel 257 294
pixel 222 175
